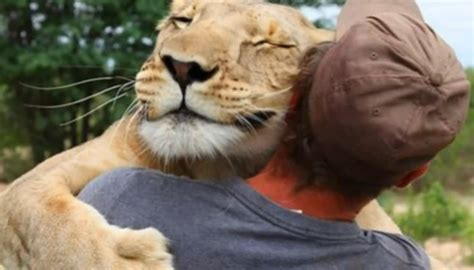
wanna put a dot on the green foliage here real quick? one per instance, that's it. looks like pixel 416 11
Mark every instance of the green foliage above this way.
pixel 468 238
pixel 15 162
pixel 9 136
pixel 470 76
pixel 51 43
pixel 436 213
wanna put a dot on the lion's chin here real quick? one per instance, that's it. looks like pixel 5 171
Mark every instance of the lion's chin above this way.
pixel 172 138
pixel 185 137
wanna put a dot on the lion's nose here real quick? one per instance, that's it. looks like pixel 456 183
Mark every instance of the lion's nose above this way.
pixel 185 73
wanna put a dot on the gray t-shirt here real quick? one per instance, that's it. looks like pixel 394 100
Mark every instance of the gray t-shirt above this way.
pixel 227 226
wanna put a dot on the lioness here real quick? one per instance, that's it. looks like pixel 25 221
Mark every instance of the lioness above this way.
pixel 213 94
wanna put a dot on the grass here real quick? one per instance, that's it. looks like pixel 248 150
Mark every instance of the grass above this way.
pixel 433 212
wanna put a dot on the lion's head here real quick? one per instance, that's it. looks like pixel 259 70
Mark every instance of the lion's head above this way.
pixel 219 80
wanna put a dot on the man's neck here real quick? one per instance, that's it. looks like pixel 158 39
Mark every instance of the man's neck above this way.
pixel 281 186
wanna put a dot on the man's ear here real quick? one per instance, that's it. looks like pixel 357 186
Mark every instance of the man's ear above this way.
pixel 412 176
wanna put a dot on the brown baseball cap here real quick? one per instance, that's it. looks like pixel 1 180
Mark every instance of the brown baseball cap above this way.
pixel 388 96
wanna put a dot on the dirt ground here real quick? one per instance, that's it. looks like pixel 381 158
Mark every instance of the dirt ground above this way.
pixel 451 253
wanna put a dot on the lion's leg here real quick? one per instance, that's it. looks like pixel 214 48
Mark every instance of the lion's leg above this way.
pixel 43 226
pixel 373 217
pixel 62 233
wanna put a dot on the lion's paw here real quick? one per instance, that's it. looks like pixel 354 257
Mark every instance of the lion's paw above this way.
pixel 65 233
pixel 147 246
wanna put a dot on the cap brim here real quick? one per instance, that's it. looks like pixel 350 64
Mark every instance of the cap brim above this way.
pixel 355 11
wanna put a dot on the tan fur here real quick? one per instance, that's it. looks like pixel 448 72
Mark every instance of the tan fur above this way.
pixel 42 225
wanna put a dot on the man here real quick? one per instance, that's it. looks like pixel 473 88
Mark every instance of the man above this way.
pixel 377 106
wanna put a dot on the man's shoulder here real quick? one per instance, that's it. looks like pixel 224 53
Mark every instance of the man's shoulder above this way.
pixel 124 178
pixel 401 248
pixel 125 183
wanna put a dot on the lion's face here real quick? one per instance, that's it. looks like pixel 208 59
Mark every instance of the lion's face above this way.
pixel 218 82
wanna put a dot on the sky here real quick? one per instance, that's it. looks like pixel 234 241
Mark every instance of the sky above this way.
pixel 451 19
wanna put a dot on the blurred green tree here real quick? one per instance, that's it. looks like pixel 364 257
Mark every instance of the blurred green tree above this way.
pixel 52 43
pixel 49 43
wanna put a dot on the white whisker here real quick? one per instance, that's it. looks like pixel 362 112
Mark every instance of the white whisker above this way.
pixel 125 87
pixel 257 119
pixel 144 149
pixel 127 129
pixel 93 110
pixel 75 84
pixel 264 109
pixel 245 122
pixel 130 108
pixel 272 94
pixel 222 153
pixel 73 102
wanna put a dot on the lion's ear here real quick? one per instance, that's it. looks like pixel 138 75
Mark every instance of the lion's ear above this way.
pixel 323 35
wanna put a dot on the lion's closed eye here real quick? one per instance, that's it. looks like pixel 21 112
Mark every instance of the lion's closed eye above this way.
pixel 181 22
pixel 276 44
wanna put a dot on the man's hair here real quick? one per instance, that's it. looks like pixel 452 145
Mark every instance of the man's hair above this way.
pixel 312 169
